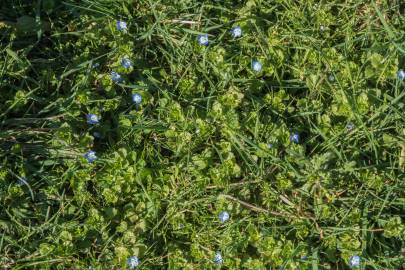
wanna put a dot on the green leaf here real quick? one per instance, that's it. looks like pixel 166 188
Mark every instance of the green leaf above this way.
pixel 48 5
pixel 27 24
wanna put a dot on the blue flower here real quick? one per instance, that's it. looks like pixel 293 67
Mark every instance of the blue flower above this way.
pixel 22 181
pixel 132 262
pixel 218 258
pixel 223 216
pixel 203 39
pixel 126 63
pixel 401 74
pixel 236 32
pixel 96 65
pixel 115 77
pixel 354 261
pixel 350 127
pixel 331 78
pixel 92 119
pixel 137 98
pixel 256 66
pixel 269 145
pixel 121 26
pixel 90 156
pixel 96 134
pixel 295 137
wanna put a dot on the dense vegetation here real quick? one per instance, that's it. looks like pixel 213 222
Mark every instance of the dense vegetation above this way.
pixel 129 140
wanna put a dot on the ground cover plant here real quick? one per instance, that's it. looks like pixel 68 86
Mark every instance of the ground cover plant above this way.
pixel 158 134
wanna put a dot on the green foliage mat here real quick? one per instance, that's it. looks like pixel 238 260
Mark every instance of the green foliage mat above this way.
pixel 306 155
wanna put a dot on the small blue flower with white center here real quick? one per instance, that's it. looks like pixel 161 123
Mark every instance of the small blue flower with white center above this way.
pixel 256 66
pixel 218 258
pixel 90 156
pixel 132 262
pixel 121 26
pixel 401 74
pixel 350 127
pixel 203 39
pixel 223 216
pixel 126 63
pixel 236 32
pixel 92 119
pixel 115 77
pixel 295 138
pixel 354 261
pixel 137 98
pixel 304 257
